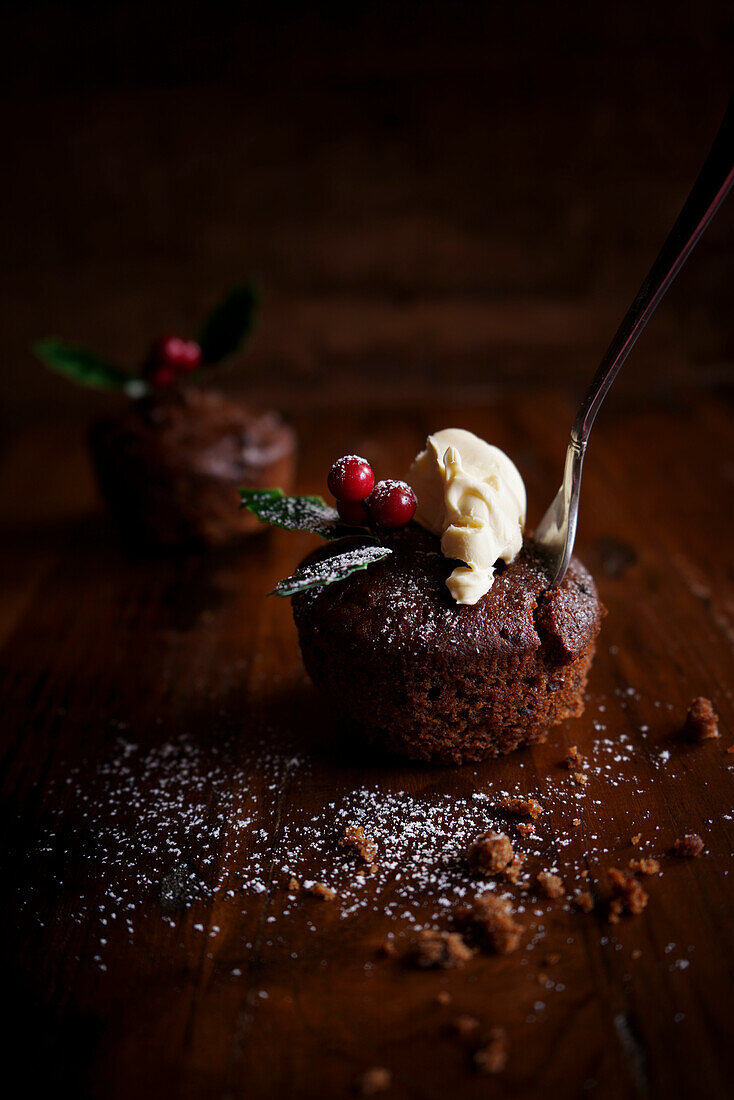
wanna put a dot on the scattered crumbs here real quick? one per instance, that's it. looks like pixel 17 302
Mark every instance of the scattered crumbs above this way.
pixel 551 885
pixel 580 778
pixel 492 920
pixel 628 894
pixel 492 1057
pixel 431 950
pixel 373 1081
pixel 645 866
pixel 189 823
pixel 524 807
pixel 689 847
pixel 465 1025
pixel 574 759
pixel 320 890
pixel 513 870
pixel 584 901
pixel 702 722
pixel 354 837
pixel 490 853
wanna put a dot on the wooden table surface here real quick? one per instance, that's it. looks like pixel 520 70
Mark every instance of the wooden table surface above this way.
pixel 167 767
pixel 448 219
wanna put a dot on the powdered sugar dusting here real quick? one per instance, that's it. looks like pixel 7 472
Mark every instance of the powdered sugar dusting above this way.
pixel 156 832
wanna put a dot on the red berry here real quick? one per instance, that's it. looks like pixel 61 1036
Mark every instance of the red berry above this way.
pixel 160 377
pixel 171 351
pixel 351 478
pixel 392 503
pixel 353 512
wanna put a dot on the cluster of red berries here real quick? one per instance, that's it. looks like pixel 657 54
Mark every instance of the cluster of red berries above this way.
pixel 360 502
pixel 171 356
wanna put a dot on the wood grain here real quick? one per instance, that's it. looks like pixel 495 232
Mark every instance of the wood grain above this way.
pixel 102 644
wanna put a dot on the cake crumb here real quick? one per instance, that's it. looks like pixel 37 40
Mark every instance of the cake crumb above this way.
pixel 552 958
pixel 551 885
pixel 522 806
pixel 580 778
pixel 636 953
pixel 492 1057
pixel 490 853
pixel 584 901
pixel 525 828
pixel 574 759
pixel 644 866
pixel 512 873
pixel 629 895
pixel 431 949
pixel 294 885
pixel 635 840
pixel 576 822
pixel 354 837
pixel 702 722
pixel 616 908
pixel 374 1080
pixel 443 997
pixel 320 890
pixel 466 1025
pixel 493 921
pixel 388 947
pixel 689 847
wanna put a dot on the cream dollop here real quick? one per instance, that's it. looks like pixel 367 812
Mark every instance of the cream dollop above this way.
pixel 471 495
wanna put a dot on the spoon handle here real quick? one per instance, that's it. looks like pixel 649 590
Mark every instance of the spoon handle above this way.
pixel 709 191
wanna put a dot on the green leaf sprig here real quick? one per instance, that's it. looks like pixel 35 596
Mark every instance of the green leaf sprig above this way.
pixel 223 333
pixel 306 513
pixel 86 368
pixel 331 569
pixel 228 325
pixel 312 513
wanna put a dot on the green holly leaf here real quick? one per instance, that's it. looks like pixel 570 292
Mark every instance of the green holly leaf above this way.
pixel 308 513
pixel 86 368
pixel 228 325
pixel 330 570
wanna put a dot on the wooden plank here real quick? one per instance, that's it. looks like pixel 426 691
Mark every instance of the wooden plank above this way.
pixel 163 748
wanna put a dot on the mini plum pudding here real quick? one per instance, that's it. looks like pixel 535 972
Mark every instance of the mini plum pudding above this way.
pixel 438 636
pixel 170 462
pixel 170 465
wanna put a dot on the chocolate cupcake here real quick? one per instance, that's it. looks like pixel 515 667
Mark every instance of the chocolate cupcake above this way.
pixel 170 464
pixel 437 633
pixel 431 679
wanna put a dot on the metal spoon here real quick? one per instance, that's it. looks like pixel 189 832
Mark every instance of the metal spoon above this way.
pixel 557 529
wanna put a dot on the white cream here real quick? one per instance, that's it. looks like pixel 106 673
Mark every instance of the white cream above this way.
pixel 472 496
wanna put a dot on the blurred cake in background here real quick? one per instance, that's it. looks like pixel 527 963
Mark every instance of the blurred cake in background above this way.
pixel 170 462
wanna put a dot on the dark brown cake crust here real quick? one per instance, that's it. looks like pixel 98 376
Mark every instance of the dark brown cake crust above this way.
pixel 170 465
pixel 430 679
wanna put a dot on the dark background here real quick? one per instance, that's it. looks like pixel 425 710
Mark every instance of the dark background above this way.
pixel 437 195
